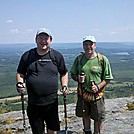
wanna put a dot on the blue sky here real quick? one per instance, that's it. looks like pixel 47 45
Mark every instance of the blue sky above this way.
pixel 68 20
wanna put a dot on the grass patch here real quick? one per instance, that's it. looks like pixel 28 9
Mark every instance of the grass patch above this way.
pixel 130 105
pixel 9 120
pixel 6 131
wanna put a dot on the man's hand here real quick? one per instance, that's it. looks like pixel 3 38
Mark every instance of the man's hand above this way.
pixel 81 78
pixel 20 87
pixel 94 87
pixel 64 90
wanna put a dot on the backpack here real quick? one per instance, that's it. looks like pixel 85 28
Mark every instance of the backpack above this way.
pixel 85 95
pixel 100 60
pixel 33 65
pixel 42 76
pixel 31 55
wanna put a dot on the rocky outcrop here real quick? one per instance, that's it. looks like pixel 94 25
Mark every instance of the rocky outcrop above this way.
pixel 119 120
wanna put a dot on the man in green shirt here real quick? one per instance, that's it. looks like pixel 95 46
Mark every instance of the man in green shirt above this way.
pixel 92 71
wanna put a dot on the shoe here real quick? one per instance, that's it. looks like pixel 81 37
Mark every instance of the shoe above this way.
pixel 88 132
pixel 96 133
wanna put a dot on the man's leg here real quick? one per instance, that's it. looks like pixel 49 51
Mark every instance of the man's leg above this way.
pixel 97 127
pixel 51 132
pixel 52 118
pixel 35 120
pixel 87 124
pixel 82 110
pixel 98 115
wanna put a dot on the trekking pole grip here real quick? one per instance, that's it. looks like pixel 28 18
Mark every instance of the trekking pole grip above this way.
pixel 93 83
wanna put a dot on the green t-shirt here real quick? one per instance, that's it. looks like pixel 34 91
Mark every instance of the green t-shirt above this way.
pixel 93 69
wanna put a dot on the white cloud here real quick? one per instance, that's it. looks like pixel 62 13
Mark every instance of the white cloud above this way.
pixel 14 31
pixel 9 21
pixel 129 28
pixel 29 30
pixel 96 29
pixel 126 29
pixel 115 33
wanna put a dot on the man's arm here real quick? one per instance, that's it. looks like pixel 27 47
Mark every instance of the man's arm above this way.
pixel 64 82
pixel 64 79
pixel 96 88
pixel 103 83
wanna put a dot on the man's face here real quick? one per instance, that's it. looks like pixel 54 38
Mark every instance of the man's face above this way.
pixel 89 46
pixel 43 41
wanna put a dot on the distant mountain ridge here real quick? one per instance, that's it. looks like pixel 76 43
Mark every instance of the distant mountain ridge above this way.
pixel 116 45
pixel 120 55
pixel 72 45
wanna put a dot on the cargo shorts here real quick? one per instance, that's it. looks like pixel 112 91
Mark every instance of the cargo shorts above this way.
pixel 95 110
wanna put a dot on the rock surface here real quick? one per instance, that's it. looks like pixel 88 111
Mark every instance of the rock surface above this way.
pixel 119 120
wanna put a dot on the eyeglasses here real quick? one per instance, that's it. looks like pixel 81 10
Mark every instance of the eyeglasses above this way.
pixel 88 43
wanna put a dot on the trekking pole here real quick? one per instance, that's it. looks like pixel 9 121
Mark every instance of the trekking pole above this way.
pixel 82 88
pixel 65 111
pixel 93 83
pixel 80 85
pixel 23 112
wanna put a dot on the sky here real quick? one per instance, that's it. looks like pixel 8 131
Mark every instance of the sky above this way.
pixel 68 20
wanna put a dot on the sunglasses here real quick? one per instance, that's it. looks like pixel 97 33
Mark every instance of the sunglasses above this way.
pixel 88 43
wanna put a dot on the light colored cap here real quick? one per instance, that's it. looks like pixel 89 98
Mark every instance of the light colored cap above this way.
pixel 90 38
pixel 44 30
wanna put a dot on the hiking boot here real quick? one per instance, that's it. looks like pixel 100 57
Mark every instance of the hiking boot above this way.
pixel 96 133
pixel 87 131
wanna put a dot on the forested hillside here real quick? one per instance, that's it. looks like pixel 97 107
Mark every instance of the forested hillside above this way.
pixel 121 57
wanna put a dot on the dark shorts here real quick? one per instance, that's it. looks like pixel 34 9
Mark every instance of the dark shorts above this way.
pixel 91 109
pixel 48 113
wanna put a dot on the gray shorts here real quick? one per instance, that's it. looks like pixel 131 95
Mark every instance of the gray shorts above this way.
pixel 91 109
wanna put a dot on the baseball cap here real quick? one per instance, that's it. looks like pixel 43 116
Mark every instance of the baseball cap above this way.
pixel 90 38
pixel 44 30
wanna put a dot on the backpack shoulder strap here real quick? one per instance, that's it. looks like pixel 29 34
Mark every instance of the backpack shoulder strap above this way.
pixel 101 61
pixel 80 56
pixel 32 52
pixel 30 56
pixel 100 57
pixel 52 57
